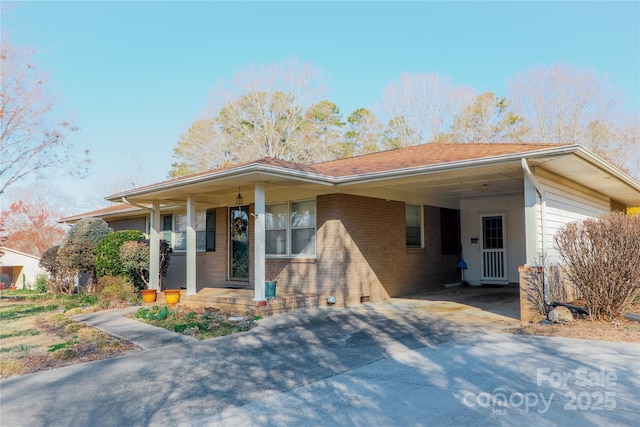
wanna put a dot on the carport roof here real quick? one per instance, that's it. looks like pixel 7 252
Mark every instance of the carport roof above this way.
pixel 419 155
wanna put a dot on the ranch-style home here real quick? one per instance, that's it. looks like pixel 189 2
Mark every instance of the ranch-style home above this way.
pixel 375 226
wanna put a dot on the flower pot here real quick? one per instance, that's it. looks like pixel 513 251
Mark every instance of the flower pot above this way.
pixel 270 289
pixel 172 296
pixel 148 295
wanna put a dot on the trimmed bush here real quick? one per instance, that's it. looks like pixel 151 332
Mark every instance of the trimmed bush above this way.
pixel 108 261
pixel 601 257
pixel 116 292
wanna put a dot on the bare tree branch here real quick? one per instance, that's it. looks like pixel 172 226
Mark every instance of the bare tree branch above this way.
pixel 30 142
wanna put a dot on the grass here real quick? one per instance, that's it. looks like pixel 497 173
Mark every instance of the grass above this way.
pixel 38 333
pixel 201 324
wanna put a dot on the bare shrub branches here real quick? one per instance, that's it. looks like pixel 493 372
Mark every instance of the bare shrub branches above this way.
pixel 601 257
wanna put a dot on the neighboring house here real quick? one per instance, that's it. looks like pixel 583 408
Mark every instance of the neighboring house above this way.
pixel 19 269
pixel 375 226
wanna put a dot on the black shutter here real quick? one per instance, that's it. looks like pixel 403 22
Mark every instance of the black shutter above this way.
pixel 450 231
pixel 211 231
pixel 166 222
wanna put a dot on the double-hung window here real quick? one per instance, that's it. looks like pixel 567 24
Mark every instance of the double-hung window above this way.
pixel 174 230
pixel 277 225
pixel 413 221
pixel 291 228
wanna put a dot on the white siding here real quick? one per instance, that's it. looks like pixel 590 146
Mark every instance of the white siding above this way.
pixel 565 204
pixel 23 265
pixel 470 224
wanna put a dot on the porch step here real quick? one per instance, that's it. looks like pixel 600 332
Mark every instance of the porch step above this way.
pixel 240 301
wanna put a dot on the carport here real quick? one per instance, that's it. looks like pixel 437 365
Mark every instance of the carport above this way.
pixel 495 299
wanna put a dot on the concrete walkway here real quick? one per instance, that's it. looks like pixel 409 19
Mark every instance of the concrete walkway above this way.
pixel 373 365
pixel 146 336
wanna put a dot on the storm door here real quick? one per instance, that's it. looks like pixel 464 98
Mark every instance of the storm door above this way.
pixel 239 243
pixel 494 255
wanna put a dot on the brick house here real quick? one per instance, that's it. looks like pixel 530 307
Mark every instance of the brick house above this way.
pixel 371 227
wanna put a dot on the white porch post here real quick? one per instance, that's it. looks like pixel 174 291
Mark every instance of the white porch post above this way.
pixel 191 245
pixel 154 246
pixel 259 243
pixel 531 206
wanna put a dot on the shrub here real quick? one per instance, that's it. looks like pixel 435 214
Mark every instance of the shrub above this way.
pixel 540 276
pixel 62 277
pixel 165 258
pixel 135 257
pixel 78 300
pixel 77 251
pixel 116 292
pixel 601 257
pixel 41 283
pixel 108 252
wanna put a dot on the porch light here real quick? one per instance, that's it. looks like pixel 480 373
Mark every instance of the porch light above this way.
pixel 239 199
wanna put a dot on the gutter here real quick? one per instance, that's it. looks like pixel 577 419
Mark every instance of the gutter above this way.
pixel 126 202
pixel 543 226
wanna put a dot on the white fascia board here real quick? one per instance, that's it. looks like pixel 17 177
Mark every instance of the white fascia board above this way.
pixel 608 168
pixel 253 169
pixel 4 248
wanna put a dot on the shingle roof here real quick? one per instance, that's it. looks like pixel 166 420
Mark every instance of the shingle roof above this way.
pixel 383 161
pixel 419 155
pixel 109 210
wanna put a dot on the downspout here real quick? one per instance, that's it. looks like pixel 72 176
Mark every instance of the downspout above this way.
pixel 126 202
pixel 543 225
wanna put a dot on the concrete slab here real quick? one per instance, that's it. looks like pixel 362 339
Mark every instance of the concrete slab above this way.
pixel 500 300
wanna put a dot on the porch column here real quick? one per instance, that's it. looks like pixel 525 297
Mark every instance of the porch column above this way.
pixel 191 245
pixel 259 243
pixel 154 246
pixel 531 222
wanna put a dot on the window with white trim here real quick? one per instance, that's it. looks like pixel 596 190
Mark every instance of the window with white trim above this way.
pixel 277 220
pixel 291 228
pixel 174 231
pixel 413 222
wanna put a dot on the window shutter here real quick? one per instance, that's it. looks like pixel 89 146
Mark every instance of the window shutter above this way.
pixel 211 230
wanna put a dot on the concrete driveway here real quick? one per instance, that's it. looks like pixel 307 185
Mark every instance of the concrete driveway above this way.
pixel 381 364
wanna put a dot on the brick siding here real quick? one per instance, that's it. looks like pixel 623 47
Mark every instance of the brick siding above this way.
pixel 361 252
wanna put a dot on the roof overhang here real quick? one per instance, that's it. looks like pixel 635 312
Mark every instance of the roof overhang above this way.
pixel 221 181
pixel 572 162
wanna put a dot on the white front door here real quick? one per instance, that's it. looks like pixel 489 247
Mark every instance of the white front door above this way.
pixel 494 248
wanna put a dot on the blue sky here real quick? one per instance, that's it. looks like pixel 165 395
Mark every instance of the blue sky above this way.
pixel 134 75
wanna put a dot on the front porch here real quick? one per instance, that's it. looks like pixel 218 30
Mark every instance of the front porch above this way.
pixel 241 301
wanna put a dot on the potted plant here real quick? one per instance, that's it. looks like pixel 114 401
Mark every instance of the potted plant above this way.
pixel 172 296
pixel 135 257
pixel 273 269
